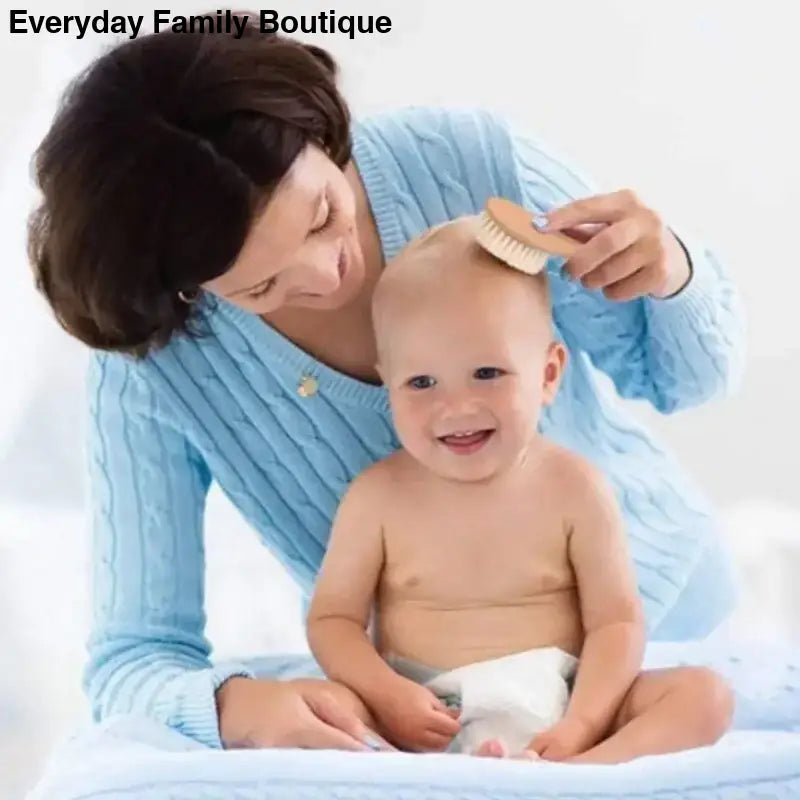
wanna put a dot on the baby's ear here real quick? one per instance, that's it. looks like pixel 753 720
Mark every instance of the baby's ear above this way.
pixel 554 366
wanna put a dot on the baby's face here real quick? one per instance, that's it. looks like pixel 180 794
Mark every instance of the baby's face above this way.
pixel 468 367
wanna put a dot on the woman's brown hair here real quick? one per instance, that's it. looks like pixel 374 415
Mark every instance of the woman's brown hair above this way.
pixel 159 158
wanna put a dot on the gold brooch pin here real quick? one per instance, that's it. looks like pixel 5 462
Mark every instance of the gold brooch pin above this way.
pixel 308 386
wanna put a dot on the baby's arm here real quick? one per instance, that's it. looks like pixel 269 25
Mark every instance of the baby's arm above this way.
pixel 410 715
pixel 613 619
pixel 345 590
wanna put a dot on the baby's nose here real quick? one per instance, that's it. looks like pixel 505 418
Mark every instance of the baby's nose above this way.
pixel 460 404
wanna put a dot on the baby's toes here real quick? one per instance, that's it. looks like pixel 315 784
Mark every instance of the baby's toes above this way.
pixel 493 748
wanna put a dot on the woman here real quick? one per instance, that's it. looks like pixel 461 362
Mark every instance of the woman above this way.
pixel 212 224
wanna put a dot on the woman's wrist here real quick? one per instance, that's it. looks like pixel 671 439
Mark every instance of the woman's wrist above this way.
pixel 233 731
pixel 681 269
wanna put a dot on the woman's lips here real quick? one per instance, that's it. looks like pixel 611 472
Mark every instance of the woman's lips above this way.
pixel 466 442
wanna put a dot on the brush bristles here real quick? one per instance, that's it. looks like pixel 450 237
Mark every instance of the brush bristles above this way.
pixel 508 249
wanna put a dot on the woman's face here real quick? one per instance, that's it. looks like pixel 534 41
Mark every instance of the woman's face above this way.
pixel 303 251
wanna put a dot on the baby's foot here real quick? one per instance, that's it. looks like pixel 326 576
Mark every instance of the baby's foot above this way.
pixel 493 748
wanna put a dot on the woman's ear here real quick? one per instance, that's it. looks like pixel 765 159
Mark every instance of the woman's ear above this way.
pixel 554 366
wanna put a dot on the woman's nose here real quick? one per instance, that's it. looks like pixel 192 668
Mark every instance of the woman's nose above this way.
pixel 320 276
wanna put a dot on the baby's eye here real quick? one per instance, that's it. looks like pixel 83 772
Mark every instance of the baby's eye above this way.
pixel 487 373
pixel 421 382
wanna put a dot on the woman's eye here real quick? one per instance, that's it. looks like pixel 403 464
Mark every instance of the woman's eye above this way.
pixel 330 217
pixel 421 382
pixel 264 289
pixel 487 373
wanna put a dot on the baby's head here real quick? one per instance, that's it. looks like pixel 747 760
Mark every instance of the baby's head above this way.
pixel 466 350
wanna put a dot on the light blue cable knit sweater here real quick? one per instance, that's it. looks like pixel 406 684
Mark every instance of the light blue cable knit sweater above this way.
pixel 226 407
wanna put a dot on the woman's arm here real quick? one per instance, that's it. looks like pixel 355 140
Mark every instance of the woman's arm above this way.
pixel 147 651
pixel 676 352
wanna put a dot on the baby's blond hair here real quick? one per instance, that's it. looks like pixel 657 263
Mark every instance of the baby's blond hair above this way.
pixel 442 262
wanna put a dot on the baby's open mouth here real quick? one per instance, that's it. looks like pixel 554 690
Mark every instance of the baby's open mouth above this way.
pixel 466 442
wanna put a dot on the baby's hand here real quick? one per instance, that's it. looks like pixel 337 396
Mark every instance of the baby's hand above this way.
pixel 569 737
pixel 413 718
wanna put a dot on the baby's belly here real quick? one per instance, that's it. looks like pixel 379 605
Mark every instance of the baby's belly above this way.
pixel 450 636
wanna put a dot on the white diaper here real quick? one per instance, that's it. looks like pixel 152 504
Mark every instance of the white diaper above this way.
pixel 511 698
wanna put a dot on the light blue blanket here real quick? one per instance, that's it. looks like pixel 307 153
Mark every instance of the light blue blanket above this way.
pixel 131 758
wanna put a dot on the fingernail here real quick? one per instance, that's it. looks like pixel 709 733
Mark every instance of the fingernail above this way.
pixel 374 742
pixel 540 221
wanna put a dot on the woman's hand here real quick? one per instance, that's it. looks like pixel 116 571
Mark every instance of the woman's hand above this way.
pixel 627 251
pixel 412 717
pixel 312 714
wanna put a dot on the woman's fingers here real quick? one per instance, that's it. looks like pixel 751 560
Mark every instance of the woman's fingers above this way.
pixel 617 268
pixel 625 248
pixel 631 287
pixel 604 245
pixel 318 735
pixel 332 725
pixel 377 742
pixel 610 207
pixel 582 233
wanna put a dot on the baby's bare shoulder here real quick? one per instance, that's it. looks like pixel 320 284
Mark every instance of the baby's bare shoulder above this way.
pixel 574 475
pixel 380 477
pixel 370 480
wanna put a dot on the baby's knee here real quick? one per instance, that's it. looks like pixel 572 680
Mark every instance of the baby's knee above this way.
pixel 712 701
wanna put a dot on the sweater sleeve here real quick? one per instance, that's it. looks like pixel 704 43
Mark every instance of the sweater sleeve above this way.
pixel 147 650
pixel 675 353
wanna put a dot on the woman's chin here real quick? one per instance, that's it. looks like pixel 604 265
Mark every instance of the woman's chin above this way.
pixel 338 299
pixel 332 302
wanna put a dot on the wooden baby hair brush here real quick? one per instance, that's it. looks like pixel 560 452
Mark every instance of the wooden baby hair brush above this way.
pixel 506 230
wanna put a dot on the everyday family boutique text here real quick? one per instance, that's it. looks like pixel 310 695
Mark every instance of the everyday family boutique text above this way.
pixel 267 21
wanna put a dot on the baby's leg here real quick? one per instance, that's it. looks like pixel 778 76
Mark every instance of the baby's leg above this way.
pixel 666 710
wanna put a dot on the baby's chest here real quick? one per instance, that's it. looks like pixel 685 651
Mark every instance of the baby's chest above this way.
pixel 497 556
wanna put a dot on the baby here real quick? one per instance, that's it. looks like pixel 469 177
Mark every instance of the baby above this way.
pixel 477 592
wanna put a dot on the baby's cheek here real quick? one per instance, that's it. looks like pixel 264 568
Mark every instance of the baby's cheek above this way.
pixel 522 411
pixel 410 418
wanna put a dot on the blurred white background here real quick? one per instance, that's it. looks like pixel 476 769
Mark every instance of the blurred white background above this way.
pixel 687 102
